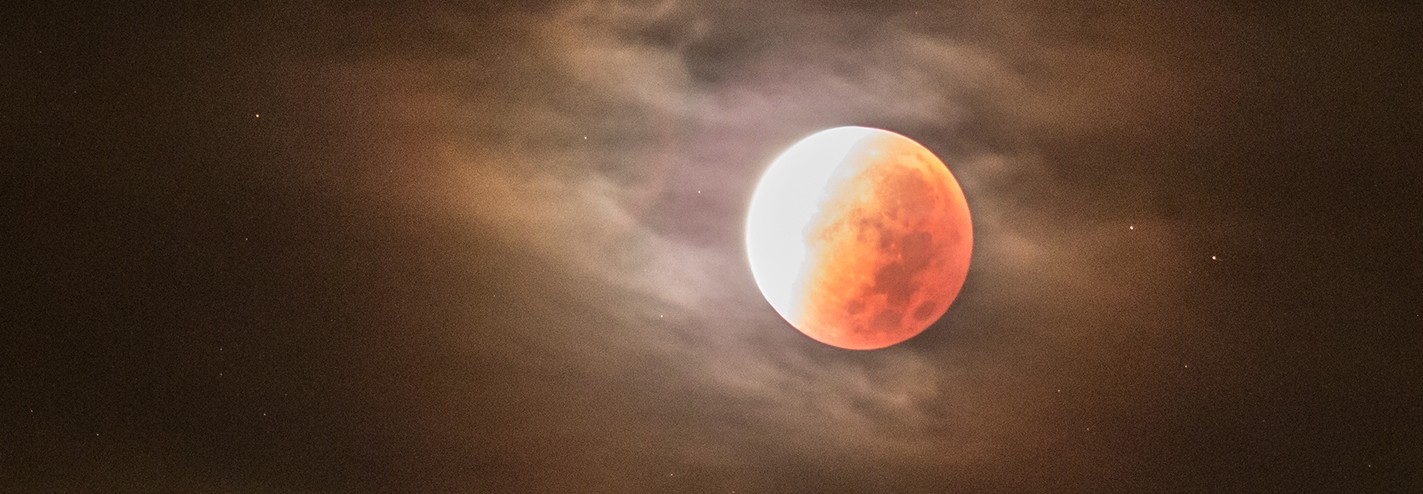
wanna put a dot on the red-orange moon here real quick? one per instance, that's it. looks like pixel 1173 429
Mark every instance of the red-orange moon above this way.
pixel 860 238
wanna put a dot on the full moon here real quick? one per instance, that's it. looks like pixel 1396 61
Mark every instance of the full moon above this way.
pixel 860 238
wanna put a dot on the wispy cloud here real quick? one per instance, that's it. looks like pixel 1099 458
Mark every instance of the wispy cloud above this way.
pixel 619 141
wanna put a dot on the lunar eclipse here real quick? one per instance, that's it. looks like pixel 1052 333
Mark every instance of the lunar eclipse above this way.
pixel 860 238
pixel 627 246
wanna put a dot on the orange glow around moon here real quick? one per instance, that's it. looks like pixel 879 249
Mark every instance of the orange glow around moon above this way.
pixel 859 237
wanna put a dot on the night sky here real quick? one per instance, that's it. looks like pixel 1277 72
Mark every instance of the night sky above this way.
pixel 318 247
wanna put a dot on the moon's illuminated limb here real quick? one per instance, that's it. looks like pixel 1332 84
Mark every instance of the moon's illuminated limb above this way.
pixel 786 199
pixel 859 237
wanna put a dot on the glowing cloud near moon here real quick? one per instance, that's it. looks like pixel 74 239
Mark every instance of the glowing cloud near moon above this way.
pixel 860 238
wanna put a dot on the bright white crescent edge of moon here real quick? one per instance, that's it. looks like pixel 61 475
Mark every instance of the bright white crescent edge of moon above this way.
pixel 785 201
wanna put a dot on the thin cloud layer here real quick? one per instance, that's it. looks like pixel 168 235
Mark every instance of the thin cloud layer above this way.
pixel 616 144
pixel 498 247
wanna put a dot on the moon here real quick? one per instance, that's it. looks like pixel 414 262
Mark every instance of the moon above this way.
pixel 860 238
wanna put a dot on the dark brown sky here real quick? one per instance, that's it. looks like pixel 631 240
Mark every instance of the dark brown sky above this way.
pixel 436 247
